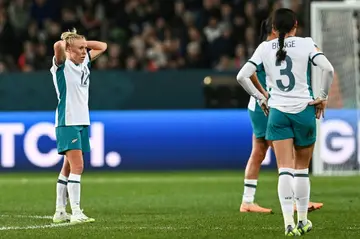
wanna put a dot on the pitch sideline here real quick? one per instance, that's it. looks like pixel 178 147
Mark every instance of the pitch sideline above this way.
pixel 35 227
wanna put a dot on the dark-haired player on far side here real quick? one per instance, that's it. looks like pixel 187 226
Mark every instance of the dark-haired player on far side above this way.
pixel 291 109
pixel 259 144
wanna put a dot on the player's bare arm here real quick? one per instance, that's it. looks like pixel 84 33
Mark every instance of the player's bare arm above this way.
pixel 97 48
pixel 59 50
pixel 258 86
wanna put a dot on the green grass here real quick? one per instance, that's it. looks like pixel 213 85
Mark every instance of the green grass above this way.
pixel 172 205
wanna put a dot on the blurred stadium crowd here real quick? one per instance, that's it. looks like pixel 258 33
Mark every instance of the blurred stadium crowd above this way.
pixel 141 34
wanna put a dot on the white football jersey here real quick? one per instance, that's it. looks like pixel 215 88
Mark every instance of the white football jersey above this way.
pixel 289 83
pixel 71 83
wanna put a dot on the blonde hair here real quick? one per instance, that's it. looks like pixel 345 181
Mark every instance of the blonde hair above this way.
pixel 69 36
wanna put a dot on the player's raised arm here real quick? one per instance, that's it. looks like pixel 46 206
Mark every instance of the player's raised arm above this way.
pixel 59 50
pixel 97 48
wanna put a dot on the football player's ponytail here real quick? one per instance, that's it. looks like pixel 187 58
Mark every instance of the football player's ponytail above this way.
pixel 265 29
pixel 284 20
pixel 281 53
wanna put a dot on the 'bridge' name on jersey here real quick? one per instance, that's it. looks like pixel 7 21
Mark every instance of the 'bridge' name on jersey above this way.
pixel 287 44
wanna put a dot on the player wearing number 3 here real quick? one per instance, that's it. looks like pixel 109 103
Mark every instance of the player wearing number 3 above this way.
pixel 260 145
pixel 71 71
pixel 292 110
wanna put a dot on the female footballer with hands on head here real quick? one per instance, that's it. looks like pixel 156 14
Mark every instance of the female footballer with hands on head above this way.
pixel 71 71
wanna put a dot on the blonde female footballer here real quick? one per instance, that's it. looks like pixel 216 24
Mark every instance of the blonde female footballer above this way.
pixel 71 71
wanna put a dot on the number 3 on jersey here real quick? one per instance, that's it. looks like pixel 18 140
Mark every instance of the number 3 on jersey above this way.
pixel 286 72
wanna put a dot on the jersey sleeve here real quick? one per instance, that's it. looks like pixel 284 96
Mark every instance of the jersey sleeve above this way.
pixel 88 58
pixel 54 66
pixel 256 58
pixel 314 50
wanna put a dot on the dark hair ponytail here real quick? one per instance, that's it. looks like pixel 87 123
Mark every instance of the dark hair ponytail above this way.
pixel 284 20
pixel 281 53
pixel 265 29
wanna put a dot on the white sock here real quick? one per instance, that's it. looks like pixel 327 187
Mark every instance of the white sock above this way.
pixel 61 187
pixel 249 190
pixel 302 193
pixel 74 192
pixel 286 195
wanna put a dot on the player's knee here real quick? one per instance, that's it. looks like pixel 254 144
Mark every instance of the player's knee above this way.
pixel 258 154
pixel 76 165
pixel 301 163
pixel 66 164
pixel 65 169
pixel 77 169
pixel 76 162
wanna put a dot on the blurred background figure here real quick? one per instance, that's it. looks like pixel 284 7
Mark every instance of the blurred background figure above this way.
pixel 159 35
pixel 164 97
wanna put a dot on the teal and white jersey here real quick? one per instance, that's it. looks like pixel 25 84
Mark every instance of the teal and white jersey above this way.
pixel 288 83
pixel 261 75
pixel 71 83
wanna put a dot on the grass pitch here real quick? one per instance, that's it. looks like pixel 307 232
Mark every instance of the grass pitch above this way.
pixel 171 205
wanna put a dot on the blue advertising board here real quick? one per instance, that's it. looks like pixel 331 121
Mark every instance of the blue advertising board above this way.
pixel 155 140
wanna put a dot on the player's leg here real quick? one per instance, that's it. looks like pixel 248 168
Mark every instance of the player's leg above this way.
pixel 60 215
pixel 304 124
pixel 77 167
pixel 283 152
pixel 259 149
pixel 280 132
pixel 75 157
pixel 258 152
pixel 65 171
pixel 61 185
pixel 313 206
pixel 70 143
pixel 302 186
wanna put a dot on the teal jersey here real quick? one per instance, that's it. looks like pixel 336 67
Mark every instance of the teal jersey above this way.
pixel 261 75
pixel 309 80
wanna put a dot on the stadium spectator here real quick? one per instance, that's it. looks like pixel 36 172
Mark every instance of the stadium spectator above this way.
pixel 142 34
